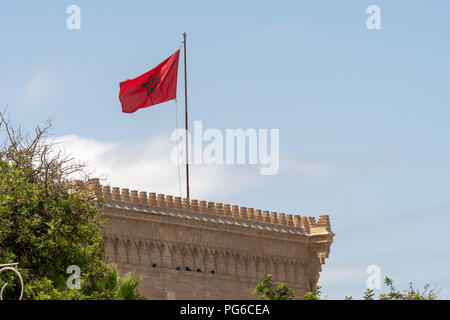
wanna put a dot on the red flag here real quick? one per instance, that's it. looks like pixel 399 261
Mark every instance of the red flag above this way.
pixel 155 86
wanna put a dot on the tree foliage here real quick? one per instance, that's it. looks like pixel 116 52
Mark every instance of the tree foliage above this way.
pixel 314 294
pixel 427 293
pixel 49 221
pixel 266 290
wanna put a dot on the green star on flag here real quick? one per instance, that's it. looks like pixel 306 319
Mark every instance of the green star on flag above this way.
pixel 154 82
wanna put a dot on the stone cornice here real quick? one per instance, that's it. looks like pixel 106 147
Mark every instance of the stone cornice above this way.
pixel 216 216
pixel 213 223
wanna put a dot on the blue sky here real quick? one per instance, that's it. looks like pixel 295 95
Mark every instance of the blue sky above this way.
pixel 363 115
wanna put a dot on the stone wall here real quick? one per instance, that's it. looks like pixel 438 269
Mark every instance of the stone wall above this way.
pixel 187 249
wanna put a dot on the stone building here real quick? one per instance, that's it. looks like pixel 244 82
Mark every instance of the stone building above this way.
pixel 189 249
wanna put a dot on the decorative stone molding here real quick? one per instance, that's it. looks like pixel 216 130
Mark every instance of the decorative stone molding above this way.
pixel 138 245
pixel 235 263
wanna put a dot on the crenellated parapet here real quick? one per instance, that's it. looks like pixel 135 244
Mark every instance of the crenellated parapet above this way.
pixel 283 222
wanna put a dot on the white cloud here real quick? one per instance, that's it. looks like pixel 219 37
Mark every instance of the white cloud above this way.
pixel 148 167
pixel 38 86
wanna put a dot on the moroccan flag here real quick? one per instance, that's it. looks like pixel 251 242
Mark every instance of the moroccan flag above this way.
pixel 155 86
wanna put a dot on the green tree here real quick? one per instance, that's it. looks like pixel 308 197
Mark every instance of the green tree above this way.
pixel 49 221
pixel 314 294
pixel 427 293
pixel 125 288
pixel 369 294
pixel 266 290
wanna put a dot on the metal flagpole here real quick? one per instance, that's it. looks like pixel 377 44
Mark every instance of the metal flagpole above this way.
pixel 186 117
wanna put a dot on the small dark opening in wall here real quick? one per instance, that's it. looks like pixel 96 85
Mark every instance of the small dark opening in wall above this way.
pixel 154 265
pixel 212 271
pixel 177 268
pixel 198 270
pixel 188 269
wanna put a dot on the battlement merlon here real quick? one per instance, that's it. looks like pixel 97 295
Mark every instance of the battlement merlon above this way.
pixel 143 201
